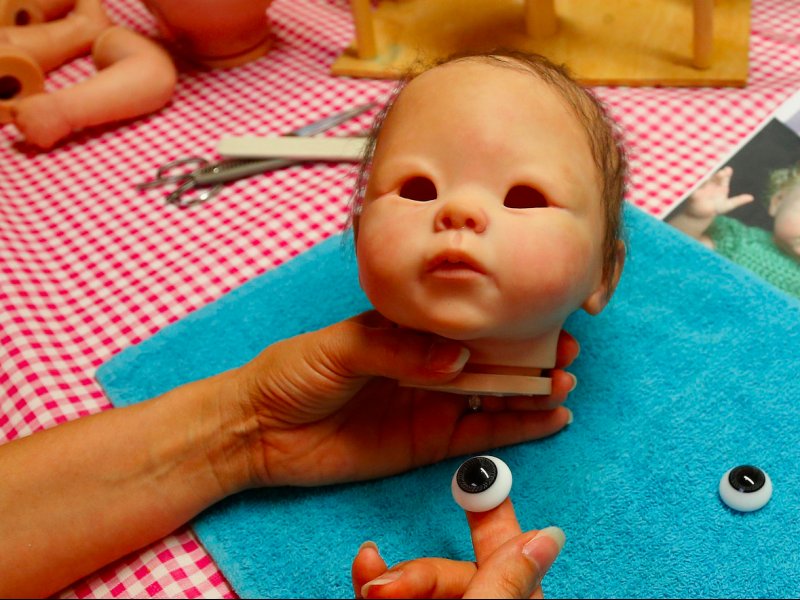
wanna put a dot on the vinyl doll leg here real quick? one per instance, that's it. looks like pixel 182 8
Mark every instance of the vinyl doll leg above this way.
pixel 55 9
pixel 135 77
pixel 56 42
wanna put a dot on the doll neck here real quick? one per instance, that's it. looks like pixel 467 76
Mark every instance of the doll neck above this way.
pixel 524 354
pixel 503 367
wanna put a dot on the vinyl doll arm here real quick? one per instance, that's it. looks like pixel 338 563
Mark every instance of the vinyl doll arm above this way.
pixel 135 77
pixel 56 42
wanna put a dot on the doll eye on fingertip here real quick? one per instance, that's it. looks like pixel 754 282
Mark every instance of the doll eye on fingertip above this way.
pixel 525 196
pixel 481 483
pixel 420 189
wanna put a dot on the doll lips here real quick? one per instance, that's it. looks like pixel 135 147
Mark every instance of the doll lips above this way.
pixel 455 264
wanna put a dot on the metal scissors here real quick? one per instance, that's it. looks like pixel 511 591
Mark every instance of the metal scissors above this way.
pixel 212 175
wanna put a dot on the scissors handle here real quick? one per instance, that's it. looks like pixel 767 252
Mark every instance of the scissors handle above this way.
pixel 214 175
pixel 183 199
pixel 232 169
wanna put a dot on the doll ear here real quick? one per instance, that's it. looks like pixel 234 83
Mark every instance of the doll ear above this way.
pixel 598 299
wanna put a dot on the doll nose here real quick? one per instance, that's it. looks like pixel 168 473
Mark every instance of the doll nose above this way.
pixel 461 215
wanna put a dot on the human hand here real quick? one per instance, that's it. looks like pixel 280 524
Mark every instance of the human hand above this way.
pixel 509 564
pixel 326 407
pixel 712 197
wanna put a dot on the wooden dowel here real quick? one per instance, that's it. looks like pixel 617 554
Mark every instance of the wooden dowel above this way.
pixel 365 32
pixel 703 33
pixel 540 18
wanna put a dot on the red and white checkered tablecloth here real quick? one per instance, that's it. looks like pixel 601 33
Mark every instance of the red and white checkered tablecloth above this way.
pixel 90 265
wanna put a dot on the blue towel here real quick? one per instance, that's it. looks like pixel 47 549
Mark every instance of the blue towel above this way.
pixel 691 369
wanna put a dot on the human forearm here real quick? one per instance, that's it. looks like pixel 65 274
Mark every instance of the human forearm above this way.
pixel 78 496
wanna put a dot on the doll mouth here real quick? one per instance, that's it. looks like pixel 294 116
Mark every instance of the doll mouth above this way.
pixel 454 264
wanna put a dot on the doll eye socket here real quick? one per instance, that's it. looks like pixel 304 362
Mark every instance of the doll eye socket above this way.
pixel 524 196
pixel 481 483
pixel 745 488
pixel 419 188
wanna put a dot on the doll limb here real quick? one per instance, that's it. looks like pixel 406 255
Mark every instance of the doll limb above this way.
pixel 135 77
pixel 55 9
pixel 56 42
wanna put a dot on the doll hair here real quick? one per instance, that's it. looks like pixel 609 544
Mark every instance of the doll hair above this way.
pixel 605 140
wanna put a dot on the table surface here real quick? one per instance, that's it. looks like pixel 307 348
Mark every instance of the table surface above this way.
pixel 91 265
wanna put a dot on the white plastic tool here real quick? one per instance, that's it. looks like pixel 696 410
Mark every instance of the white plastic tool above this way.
pixel 293 148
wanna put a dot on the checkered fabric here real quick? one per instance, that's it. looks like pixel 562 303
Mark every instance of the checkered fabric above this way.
pixel 90 265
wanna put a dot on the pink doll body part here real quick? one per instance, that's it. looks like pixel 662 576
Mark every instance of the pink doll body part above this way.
pixel 54 43
pixel 135 77
pixel 472 261
pixel 212 33
pixel 20 12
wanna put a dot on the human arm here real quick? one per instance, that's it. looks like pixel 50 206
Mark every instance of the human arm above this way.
pixel 509 564
pixel 705 203
pixel 318 408
pixel 89 491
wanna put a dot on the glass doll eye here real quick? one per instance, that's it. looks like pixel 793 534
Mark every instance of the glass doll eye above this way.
pixel 745 488
pixel 524 196
pixel 419 188
pixel 481 483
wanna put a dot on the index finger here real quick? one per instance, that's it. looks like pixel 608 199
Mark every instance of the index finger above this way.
pixel 491 529
pixel 567 349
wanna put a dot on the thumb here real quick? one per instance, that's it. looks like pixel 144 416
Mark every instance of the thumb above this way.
pixel 517 567
pixel 396 353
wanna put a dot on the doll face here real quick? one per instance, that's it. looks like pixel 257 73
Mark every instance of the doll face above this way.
pixel 785 207
pixel 483 215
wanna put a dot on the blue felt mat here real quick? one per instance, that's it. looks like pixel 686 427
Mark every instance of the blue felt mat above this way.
pixel 691 370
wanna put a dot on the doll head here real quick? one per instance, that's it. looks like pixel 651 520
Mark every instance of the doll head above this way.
pixel 489 208
pixel 217 34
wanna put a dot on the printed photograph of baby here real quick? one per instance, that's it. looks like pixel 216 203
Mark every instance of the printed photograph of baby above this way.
pixel 748 208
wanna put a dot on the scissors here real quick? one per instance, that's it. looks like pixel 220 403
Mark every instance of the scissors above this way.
pixel 204 173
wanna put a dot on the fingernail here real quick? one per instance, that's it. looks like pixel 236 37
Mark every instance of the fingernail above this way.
pixel 447 357
pixel 540 550
pixel 369 544
pixel 571 417
pixel 554 533
pixel 574 382
pixel 384 579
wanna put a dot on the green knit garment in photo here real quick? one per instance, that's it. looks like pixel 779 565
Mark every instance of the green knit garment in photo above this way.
pixel 754 249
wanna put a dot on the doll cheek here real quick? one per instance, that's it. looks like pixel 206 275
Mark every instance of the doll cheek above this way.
pixel 380 268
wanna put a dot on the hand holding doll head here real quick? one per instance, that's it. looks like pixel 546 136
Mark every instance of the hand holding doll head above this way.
pixel 490 211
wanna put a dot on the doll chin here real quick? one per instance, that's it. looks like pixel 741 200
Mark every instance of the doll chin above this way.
pixel 462 331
